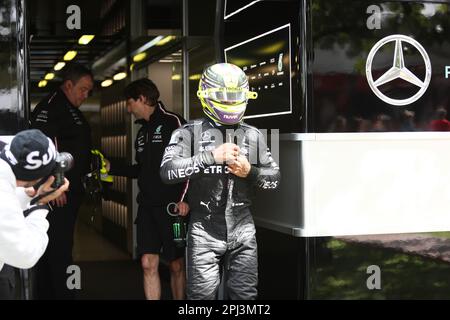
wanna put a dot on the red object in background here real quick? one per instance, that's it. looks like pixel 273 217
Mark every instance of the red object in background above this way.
pixel 440 125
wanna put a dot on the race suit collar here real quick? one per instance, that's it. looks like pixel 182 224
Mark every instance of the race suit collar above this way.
pixel 222 126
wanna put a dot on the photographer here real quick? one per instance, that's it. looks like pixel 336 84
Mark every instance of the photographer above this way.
pixel 29 158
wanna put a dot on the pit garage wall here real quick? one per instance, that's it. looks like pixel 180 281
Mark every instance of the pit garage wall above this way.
pixel 337 181
pixel 117 213
pixel 13 54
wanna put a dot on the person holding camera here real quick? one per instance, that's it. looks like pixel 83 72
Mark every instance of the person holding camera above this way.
pixel 59 117
pixel 153 224
pixel 27 160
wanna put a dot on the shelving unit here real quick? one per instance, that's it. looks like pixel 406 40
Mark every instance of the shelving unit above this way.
pixel 113 16
pixel 117 220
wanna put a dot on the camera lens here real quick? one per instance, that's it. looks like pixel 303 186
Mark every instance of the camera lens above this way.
pixel 65 161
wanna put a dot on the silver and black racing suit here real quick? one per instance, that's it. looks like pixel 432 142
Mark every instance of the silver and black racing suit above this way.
pixel 221 227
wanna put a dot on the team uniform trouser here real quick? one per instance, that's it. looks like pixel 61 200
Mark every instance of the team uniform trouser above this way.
pixel 51 270
pixel 236 251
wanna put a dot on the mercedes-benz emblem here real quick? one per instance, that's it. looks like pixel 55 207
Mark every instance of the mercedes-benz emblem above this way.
pixel 398 70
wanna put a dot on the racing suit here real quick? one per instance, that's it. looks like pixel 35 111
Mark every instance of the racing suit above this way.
pixel 221 227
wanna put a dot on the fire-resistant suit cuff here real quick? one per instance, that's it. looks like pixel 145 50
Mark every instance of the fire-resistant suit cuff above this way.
pixel 208 158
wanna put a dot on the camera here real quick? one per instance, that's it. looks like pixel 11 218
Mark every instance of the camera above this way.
pixel 64 161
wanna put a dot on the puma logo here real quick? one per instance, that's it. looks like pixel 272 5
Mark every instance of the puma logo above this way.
pixel 206 205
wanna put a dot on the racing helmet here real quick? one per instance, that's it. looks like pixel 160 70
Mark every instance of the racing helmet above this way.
pixel 223 91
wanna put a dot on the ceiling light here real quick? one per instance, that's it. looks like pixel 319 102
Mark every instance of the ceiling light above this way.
pixel 165 40
pixel 49 76
pixel 149 44
pixel 196 76
pixel 85 39
pixel 139 57
pixel 70 55
pixel 120 76
pixel 106 83
pixel 59 66
pixel 42 83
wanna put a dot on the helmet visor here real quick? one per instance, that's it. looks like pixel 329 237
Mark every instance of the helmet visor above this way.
pixel 227 95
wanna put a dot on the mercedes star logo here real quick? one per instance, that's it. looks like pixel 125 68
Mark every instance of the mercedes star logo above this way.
pixel 398 69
